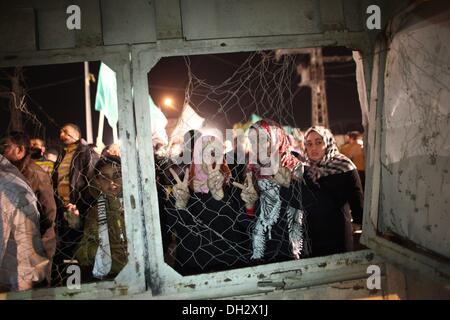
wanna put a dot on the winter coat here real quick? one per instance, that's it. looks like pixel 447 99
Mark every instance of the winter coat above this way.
pixel 327 206
pixel 22 258
pixel 81 173
pixel 41 185
pixel 208 232
pixel 87 249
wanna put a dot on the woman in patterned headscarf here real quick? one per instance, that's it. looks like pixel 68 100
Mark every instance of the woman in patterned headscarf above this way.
pixel 331 186
pixel 278 229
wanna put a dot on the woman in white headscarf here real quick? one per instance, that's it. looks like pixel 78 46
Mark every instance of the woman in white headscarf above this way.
pixel 331 194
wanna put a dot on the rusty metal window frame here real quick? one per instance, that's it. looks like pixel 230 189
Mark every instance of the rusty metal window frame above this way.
pixel 163 280
pixel 131 280
pixel 146 272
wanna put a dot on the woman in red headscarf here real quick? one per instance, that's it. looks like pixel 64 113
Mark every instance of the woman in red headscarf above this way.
pixel 278 230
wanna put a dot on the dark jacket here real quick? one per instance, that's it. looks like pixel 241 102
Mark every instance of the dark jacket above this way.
pixel 81 173
pixel 90 242
pixel 328 214
pixel 208 233
pixel 40 183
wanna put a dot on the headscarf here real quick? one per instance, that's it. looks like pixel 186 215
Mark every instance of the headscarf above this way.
pixel 196 170
pixel 279 142
pixel 333 162
pixel 270 200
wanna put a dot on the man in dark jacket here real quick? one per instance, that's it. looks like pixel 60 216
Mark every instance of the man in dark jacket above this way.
pixel 71 177
pixel 16 148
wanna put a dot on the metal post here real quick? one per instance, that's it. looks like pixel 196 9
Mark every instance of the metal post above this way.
pixel 87 95
pixel 101 124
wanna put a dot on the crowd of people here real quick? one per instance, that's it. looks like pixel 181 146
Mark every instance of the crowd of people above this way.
pixel 218 214
pixel 302 199
pixel 59 209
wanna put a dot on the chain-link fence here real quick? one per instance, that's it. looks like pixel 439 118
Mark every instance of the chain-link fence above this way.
pixel 219 209
pixel 74 216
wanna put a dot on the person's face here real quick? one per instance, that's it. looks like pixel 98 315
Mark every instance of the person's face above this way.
pixel 260 144
pixel 315 146
pixel 212 153
pixel 68 135
pixel 37 144
pixel 351 140
pixel 109 180
pixel 12 151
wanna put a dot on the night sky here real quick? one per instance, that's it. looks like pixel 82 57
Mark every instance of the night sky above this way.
pixel 58 90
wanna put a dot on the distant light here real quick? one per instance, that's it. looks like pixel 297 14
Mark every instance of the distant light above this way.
pixel 360 142
pixel 168 102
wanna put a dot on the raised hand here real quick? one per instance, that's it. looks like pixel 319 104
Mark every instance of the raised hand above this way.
pixel 283 177
pixel 198 185
pixel 181 189
pixel 215 181
pixel 248 194
pixel 72 216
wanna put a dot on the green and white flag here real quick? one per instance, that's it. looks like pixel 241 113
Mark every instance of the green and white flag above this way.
pixel 106 98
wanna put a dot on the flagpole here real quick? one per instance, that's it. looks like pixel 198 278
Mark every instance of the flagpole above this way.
pixel 87 95
pixel 115 136
pixel 101 124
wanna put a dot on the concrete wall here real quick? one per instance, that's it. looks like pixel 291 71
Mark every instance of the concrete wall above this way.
pixel 415 194
pixel 41 25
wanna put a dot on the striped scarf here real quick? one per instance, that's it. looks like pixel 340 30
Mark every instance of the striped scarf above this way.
pixel 103 261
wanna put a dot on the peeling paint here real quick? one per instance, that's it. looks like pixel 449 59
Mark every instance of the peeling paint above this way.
pixel 71 294
pixel 133 202
pixel 137 267
pixel 358 287
pixel 432 158
pixel 370 256
pixel 374 292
